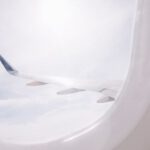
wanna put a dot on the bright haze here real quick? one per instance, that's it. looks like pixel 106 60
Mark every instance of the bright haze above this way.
pixel 85 39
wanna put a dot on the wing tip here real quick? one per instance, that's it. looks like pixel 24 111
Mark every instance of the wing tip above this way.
pixel 7 66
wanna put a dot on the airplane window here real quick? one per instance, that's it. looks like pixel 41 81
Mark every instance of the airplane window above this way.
pixel 63 64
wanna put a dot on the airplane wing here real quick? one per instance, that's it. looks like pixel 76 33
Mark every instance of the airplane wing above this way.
pixel 108 90
pixel 14 72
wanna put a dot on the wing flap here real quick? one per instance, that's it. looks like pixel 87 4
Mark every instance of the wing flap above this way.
pixel 36 83
pixel 106 99
pixel 70 91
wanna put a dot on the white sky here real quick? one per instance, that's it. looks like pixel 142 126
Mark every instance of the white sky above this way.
pixel 84 39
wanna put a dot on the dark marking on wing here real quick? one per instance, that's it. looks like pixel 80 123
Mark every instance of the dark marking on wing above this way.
pixel 70 91
pixel 36 83
pixel 106 99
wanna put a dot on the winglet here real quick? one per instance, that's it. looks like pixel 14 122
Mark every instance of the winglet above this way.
pixel 7 66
